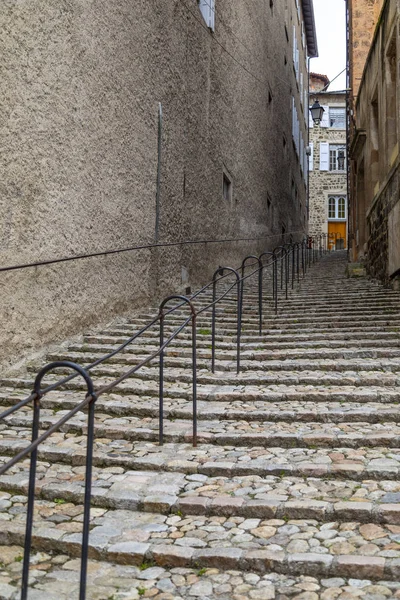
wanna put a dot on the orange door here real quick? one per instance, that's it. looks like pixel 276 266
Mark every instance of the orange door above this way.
pixel 337 234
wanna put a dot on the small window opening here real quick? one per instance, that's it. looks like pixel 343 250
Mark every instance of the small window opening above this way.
pixel 226 188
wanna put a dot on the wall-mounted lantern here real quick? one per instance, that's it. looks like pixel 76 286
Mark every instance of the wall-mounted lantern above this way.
pixel 317 112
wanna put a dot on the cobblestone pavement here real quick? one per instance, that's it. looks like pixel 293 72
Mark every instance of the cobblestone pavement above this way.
pixel 292 492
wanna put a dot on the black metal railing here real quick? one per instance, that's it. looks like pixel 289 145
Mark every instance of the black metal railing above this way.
pixel 285 265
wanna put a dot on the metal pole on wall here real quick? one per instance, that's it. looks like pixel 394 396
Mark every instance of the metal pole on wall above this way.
pixel 160 117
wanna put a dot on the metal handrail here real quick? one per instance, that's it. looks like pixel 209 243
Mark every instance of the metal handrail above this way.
pixel 285 258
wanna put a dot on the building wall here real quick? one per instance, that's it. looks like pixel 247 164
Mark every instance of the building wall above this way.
pixel 324 183
pixel 375 154
pixel 363 17
pixel 80 87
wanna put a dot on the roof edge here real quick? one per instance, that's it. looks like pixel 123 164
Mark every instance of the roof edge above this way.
pixel 311 33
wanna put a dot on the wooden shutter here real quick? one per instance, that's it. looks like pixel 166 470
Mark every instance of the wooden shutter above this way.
pixel 324 156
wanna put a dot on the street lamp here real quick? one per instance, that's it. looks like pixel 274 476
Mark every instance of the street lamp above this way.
pixel 316 112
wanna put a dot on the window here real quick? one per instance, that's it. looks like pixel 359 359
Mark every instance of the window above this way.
pixel 269 205
pixel 207 9
pixel 226 187
pixel 335 153
pixel 337 208
pixel 296 61
pixel 337 118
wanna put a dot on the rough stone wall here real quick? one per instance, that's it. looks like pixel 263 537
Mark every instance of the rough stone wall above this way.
pixel 324 183
pixel 378 222
pixel 376 198
pixel 80 86
pixel 364 16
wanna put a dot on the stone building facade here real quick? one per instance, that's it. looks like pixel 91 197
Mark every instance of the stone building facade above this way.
pixel 327 176
pixel 80 91
pixel 375 164
pixel 362 19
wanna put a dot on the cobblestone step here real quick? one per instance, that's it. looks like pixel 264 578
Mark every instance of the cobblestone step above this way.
pixel 54 577
pixel 302 318
pixel 204 342
pixel 228 432
pixel 350 549
pixel 204 336
pixel 322 393
pixel 261 354
pixel 226 461
pixel 256 410
pixel 165 493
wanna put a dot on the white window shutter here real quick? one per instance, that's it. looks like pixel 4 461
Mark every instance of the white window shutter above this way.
pixel 310 120
pixel 211 22
pixel 293 119
pixel 301 87
pixel 325 117
pixel 311 157
pixel 301 156
pixel 324 156
pixel 294 45
pixel 207 8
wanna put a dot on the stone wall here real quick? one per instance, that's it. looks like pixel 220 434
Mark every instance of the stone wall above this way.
pixel 383 258
pixel 80 87
pixel 324 183
pixel 375 153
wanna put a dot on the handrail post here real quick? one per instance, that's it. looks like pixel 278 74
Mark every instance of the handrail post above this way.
pixel 260 268
pixel 220 271
pixel 194 379
pixel 31 500
pixel 88 476
pixel 286 272
pixel 161 384
pixel 260 298
pixel 293 265
pixel 213 315
pixel 239 326
pixel 87 497
pixel 161 316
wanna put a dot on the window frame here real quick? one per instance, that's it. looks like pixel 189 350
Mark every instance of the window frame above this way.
pixel 337 198
pixel 337 108
pixel 334 148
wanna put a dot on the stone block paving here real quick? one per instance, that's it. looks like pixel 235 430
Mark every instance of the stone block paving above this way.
pixel 292 492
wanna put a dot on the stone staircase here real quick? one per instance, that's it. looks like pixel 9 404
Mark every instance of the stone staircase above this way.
pixel 292 492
